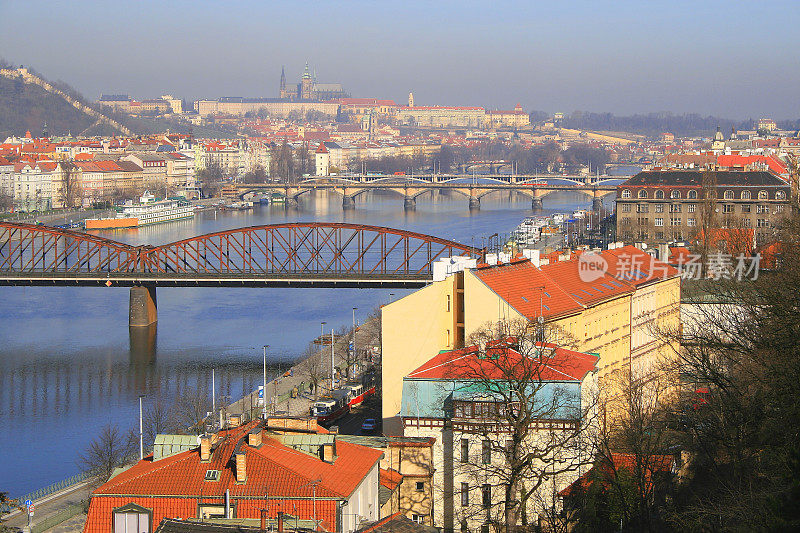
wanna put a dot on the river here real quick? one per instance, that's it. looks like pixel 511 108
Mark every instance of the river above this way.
pixel 68 365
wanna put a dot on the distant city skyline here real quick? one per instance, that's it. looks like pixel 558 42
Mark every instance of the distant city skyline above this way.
pixel 732 60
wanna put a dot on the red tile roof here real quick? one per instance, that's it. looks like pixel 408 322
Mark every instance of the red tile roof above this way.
pixel 606 469
pixel 528 290
pixel 555 364
pixel 285 474
pixel 390 478
pixel 636 266
pixel 566 275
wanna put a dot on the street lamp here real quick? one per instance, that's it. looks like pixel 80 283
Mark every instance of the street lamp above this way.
pixel 354 339
pixel 141 435
pixel 264 390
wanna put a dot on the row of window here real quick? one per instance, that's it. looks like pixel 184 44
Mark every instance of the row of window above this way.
pixel 486 495
pixel 692 222
pixel 727 195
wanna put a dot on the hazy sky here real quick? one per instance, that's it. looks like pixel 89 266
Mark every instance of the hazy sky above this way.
pixel 727 58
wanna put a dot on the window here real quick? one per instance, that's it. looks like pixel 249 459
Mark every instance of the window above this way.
pixel 485 528
pixel 659 221
pixel 659 208
pixel 464 528
pixel 747 223
pixel 745 195
pixel 779 208
pixel 675 208
pixel 420 486
pixel 659 235
pixel 675 221
pixel 464 494
pixel 509 449
pixel 675 194
pixel 643 221
pixel 727 208
pixel 486 453
pixel 691 222
pixel 486 495
pixel 132 518
pixel 746 208
pixel 418 518
pixel 212 511
pixel 448 303
pixel 728 195
pixel 626 221
pixel 763 223
pixel 211 475
pixel 642 193
pixel 762 195
pixel 626 193
pixel 691 208
pixel 762 209
pixel 464 450
pixel 447 337
pixel 659 195
pixel 626 208
pixel 780 195
pixel 691 195
pixel 642 208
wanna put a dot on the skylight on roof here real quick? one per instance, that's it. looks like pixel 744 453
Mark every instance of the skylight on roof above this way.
pixel 546 294
pixel 524 298
pixel 545 307
pixel 211 475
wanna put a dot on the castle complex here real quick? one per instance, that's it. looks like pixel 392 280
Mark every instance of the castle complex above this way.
pixel 309 90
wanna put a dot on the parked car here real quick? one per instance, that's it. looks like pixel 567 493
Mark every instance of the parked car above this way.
pixel 369 425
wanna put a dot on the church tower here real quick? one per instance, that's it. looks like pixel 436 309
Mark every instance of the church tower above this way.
pixel 306 85
pixel 283 83
pixel 410 99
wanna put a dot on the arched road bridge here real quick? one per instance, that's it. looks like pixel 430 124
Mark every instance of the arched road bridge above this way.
pixel 315 254
pixel 350 187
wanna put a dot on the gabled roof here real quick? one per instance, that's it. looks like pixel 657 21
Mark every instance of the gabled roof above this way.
pixel 636 266
pixel 693 178
pixel 554 364
pixel 527 290
pixel 582 288
pixel 605 470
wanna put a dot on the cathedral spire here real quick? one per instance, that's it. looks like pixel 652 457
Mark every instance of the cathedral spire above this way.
pixel 306 74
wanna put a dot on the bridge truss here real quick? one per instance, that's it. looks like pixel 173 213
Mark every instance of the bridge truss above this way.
pixel 291 254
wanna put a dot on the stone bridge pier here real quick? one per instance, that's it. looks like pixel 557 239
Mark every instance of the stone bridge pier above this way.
pixel 409 203
pixel 536 203
pixel 143 308
pixel 597 201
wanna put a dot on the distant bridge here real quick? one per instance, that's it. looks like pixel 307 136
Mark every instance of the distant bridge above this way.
pixel 411 187
pixel 312 254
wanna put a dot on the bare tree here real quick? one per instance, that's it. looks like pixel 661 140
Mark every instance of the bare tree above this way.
pixel 309 367
pixel 515 409
pixel 158 418
pixel 111 449
pixel 191 411
pixel 70 184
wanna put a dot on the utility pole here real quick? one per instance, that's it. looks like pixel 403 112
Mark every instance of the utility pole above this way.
pixel 213 393
pixel 141 434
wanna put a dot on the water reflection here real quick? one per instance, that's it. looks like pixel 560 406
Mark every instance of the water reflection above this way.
pixel 69 364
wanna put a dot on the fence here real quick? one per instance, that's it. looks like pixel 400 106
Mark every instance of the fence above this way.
pixel 45 491
pixel 58 518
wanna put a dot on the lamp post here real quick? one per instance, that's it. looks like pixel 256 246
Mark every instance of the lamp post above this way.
pixel 264 391
pixel 354 340
pixel 141 434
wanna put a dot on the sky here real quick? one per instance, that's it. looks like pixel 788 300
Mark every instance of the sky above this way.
pixel 731 59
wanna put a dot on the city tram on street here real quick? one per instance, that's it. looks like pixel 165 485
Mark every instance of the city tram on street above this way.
pixel 340 401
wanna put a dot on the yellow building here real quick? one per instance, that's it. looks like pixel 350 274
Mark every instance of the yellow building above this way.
pixel 596 312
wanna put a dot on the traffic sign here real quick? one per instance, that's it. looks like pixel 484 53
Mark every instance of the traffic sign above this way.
pixel 28 503
pixel 31 507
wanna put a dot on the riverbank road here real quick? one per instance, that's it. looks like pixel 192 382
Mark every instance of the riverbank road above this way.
pixel 64 507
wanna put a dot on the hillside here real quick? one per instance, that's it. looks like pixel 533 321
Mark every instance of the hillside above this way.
pixel 25 106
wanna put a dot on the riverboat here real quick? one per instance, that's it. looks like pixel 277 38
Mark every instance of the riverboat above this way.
pixel 147 211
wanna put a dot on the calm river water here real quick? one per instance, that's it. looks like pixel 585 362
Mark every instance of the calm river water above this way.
pixel 68 366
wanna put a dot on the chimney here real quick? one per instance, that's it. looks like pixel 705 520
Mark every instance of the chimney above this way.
pixel 280 521
pixel 328 452
pixel 263 519
pixel 241 467
pixel 234 421
pixel 254 438
pixel 205 448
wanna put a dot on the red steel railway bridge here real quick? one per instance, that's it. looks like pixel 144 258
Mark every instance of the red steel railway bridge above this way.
pixel 315 254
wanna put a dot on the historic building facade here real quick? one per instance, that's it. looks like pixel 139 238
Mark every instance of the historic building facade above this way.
pixel 677 205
